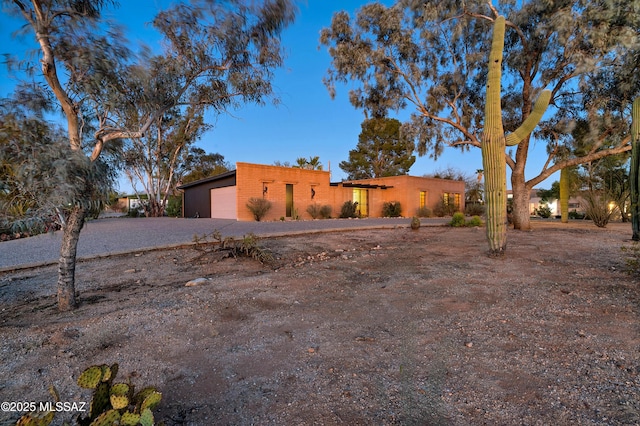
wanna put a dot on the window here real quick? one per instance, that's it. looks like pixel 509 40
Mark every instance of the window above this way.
pixel 423 199
pixel 451 199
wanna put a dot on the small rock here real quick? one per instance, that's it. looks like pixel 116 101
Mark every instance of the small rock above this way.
pixel 468 344
pixel 196 282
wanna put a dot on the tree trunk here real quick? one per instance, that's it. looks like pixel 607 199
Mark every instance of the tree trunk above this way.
pixel 520 204
pixel 564 195
pixel 67 262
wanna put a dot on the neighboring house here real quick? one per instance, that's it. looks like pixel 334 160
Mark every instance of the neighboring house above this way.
pixel 575 204
pixel 291 190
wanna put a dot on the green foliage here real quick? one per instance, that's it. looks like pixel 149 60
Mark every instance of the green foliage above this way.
pixel 349 210
pixel 431 56
pixel 474 209
pixel 112 403
pixel 198 164
pixel 259 207
pixel 443 208
pixel 475 221
pixel 544 211
pixel 391 209
pixel 415 223
pixel 457 220
pixel 382 150
pixel 174 207
pixel 424 212
pixel 313 163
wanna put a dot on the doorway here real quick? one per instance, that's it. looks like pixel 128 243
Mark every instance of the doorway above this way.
pixel 289 199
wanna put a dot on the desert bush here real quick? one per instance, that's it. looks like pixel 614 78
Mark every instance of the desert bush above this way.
pixel 349 209
pixel 596 205
pixel 314 210
pixel 424 212
pixel 544 211
pixel 391 209
pixel 259 207
pixel 415 222
pixel 474 209
pixel 474 221
pixel 325 211
pixel 444 209
pixel 576 215
pixel 457 220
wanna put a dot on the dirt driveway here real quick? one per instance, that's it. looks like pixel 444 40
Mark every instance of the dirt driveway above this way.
pixel 348 328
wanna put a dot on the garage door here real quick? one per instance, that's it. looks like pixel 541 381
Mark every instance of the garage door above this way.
pixel 223 203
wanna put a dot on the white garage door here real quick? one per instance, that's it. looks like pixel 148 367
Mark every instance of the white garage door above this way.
pixel 223 203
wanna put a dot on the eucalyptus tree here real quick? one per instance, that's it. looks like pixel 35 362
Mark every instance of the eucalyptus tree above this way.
pixel 222 54
pixel 382 150
pixel 431 56
pixel 198 164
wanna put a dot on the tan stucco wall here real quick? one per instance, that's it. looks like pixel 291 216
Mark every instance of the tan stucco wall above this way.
pixel 252 178
pixel 406 190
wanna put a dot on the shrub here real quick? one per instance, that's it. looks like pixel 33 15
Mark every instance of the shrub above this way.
pixel 474 221
pixel 576 215
pixel 174 207
pixel 457 220
pixel 474 209
pixel 424 212
pixel 314 210
pixel 544 211
pixel 444 209
pixel 391 209
pixel 325 211
pixel 349 209
pixel 259 207
pixel 415 223
pixel 596 205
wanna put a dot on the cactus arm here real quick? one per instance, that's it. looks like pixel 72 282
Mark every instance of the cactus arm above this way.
pixel 532 120
pixel 634 172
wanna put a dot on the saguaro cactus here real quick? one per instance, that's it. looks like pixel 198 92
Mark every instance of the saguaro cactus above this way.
pixel 494 143
pixel 634 172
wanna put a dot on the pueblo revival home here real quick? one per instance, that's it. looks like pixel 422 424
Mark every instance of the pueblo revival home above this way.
pixel 292 190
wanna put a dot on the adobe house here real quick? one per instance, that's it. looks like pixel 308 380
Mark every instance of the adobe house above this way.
pixel 291 190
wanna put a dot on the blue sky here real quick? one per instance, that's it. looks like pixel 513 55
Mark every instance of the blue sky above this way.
pixel 306 123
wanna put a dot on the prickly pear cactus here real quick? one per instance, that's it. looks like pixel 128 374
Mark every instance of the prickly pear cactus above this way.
pixel 494 144
pixel 36 419
pixel 90 377
pixel 108 418
pixel 634 172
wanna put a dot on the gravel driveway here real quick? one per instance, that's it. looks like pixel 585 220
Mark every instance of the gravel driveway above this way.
pixel 122 235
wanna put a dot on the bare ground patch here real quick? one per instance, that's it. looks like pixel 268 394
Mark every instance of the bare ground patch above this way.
pixel 358 328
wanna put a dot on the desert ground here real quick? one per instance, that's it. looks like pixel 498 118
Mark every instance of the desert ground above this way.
pixel 371 327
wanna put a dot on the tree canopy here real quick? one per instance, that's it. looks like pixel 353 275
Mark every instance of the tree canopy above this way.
pixel 382 150
pixel 431 57
pixel 217 56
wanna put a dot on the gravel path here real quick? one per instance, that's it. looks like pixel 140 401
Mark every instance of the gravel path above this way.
pixel 122 235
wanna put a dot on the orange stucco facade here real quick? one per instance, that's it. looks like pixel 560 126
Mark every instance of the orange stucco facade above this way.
pixel 292 190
